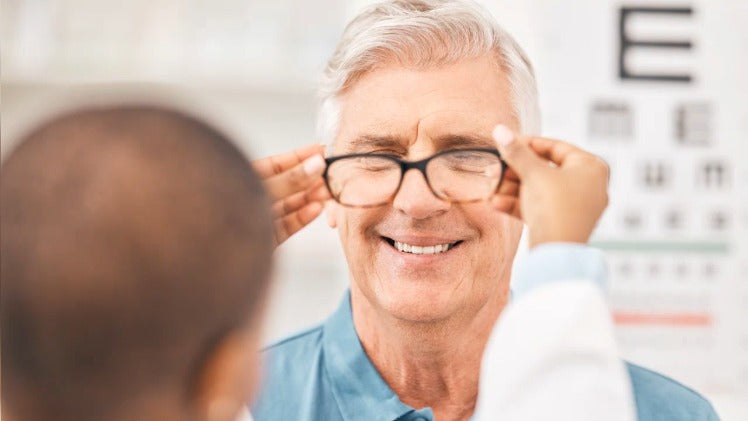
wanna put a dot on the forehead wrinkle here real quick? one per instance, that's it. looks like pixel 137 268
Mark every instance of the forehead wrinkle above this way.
pixel 456 141
pixel 370 141
pixel 457 127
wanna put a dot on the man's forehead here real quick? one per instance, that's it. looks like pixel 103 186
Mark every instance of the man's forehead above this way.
pixel 455 105
pixel 367 142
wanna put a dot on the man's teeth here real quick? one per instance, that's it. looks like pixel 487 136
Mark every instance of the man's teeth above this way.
pixel 407 248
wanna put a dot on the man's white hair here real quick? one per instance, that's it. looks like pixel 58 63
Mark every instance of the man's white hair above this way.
pixel 423 33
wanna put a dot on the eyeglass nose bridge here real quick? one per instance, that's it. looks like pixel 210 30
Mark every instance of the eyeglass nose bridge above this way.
pixel 421 165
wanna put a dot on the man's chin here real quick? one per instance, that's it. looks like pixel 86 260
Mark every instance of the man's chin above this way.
pixel 422 303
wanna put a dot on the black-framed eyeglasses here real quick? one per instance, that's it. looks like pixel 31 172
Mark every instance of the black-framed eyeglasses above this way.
pixel 457 175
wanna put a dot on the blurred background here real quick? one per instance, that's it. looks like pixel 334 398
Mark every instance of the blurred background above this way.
pixel 657 88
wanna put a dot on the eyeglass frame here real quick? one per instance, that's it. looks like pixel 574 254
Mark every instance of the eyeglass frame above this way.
pixel 406 166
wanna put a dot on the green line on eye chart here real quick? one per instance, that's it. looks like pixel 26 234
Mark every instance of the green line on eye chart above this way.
pixel 702 247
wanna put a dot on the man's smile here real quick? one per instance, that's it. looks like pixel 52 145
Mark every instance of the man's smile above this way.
pixel 420 249
pixel 408 248
pixel 422 246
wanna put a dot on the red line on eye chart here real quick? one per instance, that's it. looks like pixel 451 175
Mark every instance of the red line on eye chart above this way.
pixel 666 319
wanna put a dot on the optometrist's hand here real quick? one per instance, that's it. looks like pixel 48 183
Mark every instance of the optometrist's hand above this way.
pixel 558 190
pixel 294 181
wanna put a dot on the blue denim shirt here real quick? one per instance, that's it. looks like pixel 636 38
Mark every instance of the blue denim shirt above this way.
pixel 324 374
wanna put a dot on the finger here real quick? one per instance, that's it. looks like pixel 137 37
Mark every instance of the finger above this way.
pixel 316 193
pixel 292 223
pixel 508 180
pixel 510 175
pixel 565 154
pixel 320 193
pixel 276 164
pixel 506 204
pixel 297 179
pixel 556 151
pixel 508 188
pixel 516 152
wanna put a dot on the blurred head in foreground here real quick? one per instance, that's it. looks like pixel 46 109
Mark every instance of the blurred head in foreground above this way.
pixel 136 248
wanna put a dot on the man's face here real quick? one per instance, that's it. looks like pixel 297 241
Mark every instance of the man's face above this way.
pixel 414 113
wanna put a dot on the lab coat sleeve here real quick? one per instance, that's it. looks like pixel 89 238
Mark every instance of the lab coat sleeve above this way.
pixel 552 354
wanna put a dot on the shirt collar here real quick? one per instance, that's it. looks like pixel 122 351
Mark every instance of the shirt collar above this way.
pixel 360 391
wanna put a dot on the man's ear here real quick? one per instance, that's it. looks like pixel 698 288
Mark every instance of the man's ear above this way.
pixel 229 376
pixel 331 213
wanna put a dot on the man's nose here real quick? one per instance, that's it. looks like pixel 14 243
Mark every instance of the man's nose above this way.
pixel 416 199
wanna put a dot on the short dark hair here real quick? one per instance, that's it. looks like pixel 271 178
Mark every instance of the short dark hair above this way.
pixel 133 239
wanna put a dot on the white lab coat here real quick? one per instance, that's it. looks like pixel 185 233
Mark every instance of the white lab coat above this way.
pixel 552 356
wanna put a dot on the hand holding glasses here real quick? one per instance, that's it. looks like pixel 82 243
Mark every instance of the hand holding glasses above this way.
pixel 295 185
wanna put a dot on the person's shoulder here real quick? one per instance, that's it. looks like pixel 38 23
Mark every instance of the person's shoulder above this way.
pixel 294 353
pixel 661 398
pixel 294 384
pixel 302 340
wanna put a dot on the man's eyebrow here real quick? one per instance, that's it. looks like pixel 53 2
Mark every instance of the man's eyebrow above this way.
pixel 371 142
pixel 453 141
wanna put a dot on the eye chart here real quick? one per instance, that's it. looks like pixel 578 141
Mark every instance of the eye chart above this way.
pixel 658 89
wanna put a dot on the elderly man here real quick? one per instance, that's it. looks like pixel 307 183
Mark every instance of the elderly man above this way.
pixel 420 85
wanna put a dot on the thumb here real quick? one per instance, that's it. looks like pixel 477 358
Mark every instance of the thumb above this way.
pixel 516 153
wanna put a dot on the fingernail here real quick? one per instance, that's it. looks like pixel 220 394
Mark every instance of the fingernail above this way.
pixel 502 135
pixel 314 165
